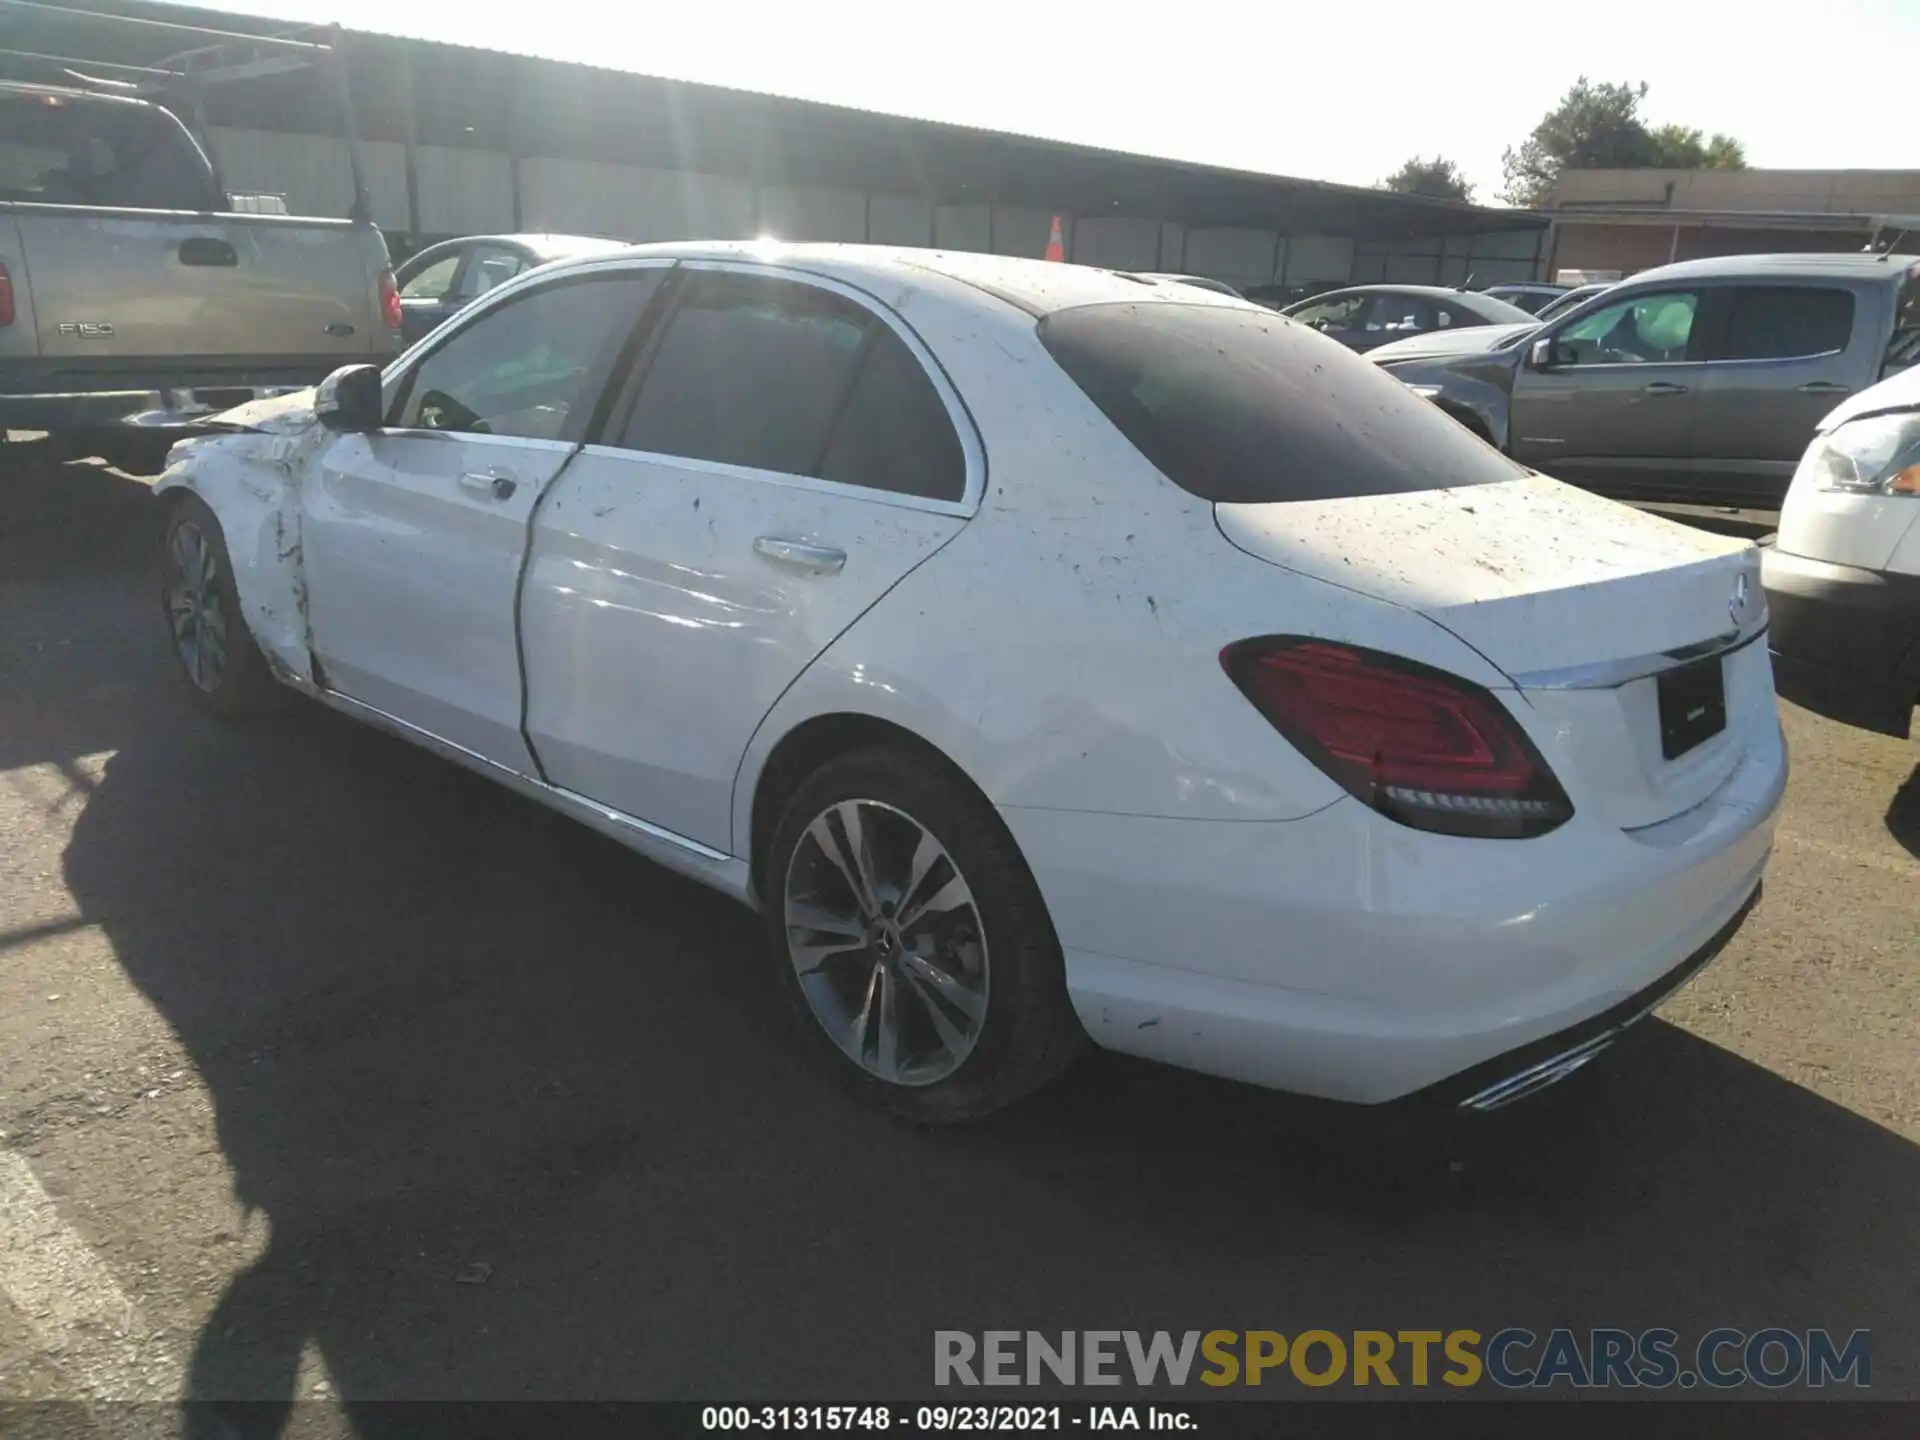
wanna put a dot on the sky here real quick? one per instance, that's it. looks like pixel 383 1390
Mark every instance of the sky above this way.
pixel 1330 92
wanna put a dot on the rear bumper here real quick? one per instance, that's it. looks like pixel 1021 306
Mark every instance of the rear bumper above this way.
pixel 149 398
pixel 1341 956
pixel 134 411
pixel 1532 1068
pixel 1846 642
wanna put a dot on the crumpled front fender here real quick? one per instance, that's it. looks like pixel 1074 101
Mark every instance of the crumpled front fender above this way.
pixel 251 481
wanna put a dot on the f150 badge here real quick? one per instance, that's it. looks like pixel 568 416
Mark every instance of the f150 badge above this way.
pixel 87 329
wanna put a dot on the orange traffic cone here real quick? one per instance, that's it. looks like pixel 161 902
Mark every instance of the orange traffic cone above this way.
pixel 1056 248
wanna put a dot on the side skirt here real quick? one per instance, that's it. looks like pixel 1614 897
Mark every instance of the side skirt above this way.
pixel 726 873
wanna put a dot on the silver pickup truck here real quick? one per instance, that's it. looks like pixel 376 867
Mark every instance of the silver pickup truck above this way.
pixel 133 299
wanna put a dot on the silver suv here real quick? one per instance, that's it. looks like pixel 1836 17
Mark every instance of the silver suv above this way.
pixel 1699 381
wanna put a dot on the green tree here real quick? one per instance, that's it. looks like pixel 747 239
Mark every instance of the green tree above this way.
pixel 1598 127
pixel 1437 177
pixel 1681 147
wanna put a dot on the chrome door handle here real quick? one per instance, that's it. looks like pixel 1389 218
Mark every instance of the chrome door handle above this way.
pixel 1824 387
pixel 494 483
pixel 1664 387
pixel 822 559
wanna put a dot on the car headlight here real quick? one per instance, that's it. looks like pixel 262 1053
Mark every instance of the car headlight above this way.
pixel 1876 456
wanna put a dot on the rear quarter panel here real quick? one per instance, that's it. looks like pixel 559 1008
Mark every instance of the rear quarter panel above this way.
pixel 1063 650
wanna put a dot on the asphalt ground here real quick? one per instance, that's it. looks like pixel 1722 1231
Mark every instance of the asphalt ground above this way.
pixel 331 1073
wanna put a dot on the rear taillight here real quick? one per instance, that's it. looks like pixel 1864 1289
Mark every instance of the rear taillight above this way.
pixel 390 300
pixel 6 297
pixel 1422 747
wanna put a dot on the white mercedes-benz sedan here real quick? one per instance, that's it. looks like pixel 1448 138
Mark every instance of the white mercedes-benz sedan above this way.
pixel 1049 654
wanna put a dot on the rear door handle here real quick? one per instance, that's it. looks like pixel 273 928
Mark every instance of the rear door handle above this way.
pixel 1664 387
pixel 207 250
pixel 1825 387
pixel 821 559
pixel 496 484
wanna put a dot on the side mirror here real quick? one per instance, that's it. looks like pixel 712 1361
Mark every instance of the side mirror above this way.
pixel 349 399
pixel 1545 355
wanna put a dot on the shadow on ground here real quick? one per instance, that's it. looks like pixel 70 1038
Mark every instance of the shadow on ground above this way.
pixel 526 1118
pixel 1903 814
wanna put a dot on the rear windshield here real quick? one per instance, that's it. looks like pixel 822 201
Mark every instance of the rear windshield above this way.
pixel 60 149
pixel 1242 407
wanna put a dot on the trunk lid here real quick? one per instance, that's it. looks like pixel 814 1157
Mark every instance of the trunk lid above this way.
pixel 1575 598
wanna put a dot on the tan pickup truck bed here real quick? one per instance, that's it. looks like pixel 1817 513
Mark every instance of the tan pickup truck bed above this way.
pixel 138 301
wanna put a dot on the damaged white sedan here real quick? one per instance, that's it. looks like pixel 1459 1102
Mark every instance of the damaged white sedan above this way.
pixel 1049 654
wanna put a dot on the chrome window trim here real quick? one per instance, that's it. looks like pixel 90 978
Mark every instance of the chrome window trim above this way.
pixel 1611 674
pixel 1775 359
pixel 972 448
pixel 514 442
pixel 1581 369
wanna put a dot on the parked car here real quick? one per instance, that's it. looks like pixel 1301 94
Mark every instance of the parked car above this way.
pixel 1219 287
pixel 1568 300
pixel 442 278
pixel 1843 574
pixel 1365 316
pixel 1532 296
pixel 134 301
pixel 1044 654
pixel 1278 297
pixel 1701 381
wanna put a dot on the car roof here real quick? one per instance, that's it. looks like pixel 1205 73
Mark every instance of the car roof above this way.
pixel 1432 292
pixel 1038 287
pixel 544 244
pixel 562 247
pixel 1854 265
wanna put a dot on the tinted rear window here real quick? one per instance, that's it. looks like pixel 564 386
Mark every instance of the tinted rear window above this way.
pixel 1240 407
pixel 1784 322
pixel 67 150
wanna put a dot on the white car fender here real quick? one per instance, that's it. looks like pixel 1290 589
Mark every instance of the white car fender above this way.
pixel 251 482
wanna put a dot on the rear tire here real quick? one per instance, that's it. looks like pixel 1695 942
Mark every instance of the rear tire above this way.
pixel 222 665
pixel 912 940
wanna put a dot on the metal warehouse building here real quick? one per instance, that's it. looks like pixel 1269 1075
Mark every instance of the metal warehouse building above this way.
pixel 462 141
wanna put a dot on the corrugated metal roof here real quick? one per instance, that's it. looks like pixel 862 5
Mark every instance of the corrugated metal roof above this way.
pixel 536 105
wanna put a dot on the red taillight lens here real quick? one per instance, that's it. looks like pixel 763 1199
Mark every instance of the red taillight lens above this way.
pixel 390 300
pixel 1423 747
pixel 6 297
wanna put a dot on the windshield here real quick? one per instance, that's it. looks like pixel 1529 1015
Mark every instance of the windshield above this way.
pixel 1240 407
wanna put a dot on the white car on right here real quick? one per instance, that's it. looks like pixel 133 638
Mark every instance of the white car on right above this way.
pixel 1843 575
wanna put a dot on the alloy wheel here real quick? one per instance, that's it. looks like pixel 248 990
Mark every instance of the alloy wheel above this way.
pixel 885 936
pixel 194 605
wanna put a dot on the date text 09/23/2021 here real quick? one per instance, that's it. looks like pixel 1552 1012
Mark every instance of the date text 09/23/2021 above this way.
pixel 945 1419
